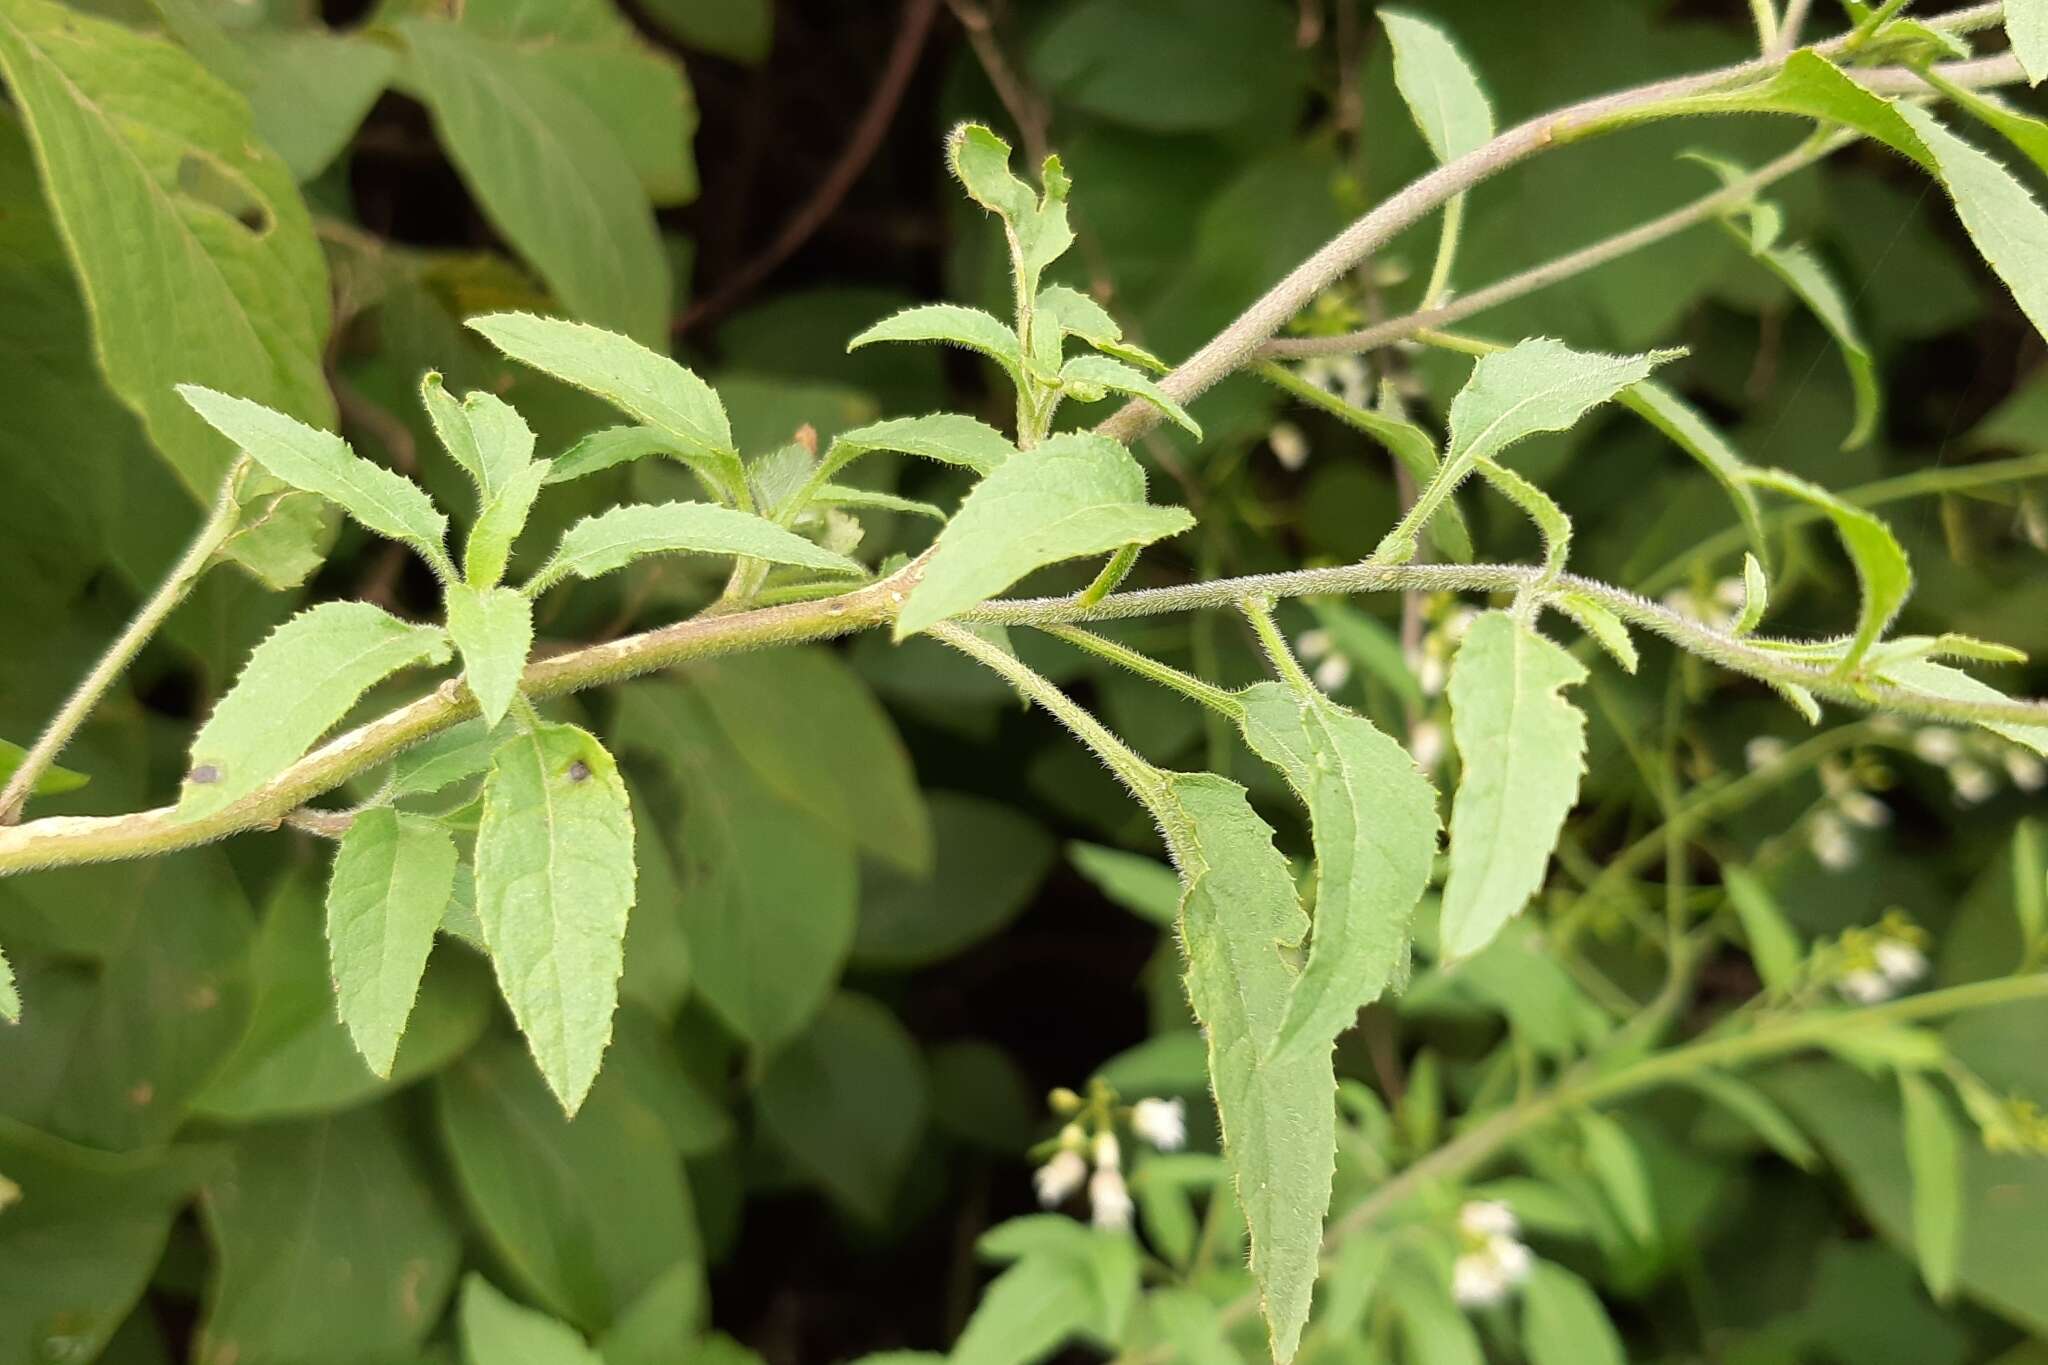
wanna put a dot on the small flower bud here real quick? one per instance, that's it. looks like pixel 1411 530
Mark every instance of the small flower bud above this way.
pixel 1108 1155
pixel 1832 846
pixel 1109 1199
pixel 1487 1218
pixel 1333 672
pixel 1064 1102
pixel 1972 781
pixel 1866 987
pixel 1901 963
pixel 1426 743
pixel 2027 772
pixel 1290 447
pixel 1763 751
pixel 1861 808
pixel 1937 745
pixel 1060 1177
pixel 1163 1123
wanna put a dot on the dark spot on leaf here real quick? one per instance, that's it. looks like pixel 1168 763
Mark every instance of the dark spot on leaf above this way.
pixel 214 183
pixel 578 770
pixel 203 774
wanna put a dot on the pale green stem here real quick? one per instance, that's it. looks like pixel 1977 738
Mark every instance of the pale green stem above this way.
pixel 1766 26
pixel 1111 578
pixel 177 584
pixel 1145 666
pixel 1259 612
pixel 1446 252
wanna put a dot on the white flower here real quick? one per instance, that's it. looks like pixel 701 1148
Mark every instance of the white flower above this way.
pixel 1432 674
pixel 1763 751
pixel 2028 773
pixel 1866 988
pixel 1899 961
pixel 1108 1155
pixel 1333 672
pixel 1477 1281
pixel 1731 592
pixel 1973 782
pixel 1459 622
pixel 1512 1257
pixel 1312 644
pixel 1290 447
pixel 1487 1218
pixel 1861 808
pixel 1426 743
pixel 1109 1199
pixel 1832 846
pixel 1060 1177
pixel 1937 745
pixel 1163 1123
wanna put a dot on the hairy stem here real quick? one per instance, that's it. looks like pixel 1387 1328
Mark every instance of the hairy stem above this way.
pixel 1145 666
pixel 177 584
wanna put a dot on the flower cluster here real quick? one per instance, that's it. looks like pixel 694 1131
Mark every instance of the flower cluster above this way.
pixel 1974 761
pixel 1491 1260
pixel 1087 1150
pixel 2010 1124
pixel 1869 966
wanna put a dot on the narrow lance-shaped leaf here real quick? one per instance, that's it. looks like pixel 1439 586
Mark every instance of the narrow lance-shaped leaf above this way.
pixel 321 462
pixel 2026 24
pixel 489 547
pixel 1238 911
pixel 554 884
pixel 1375 825
pixel 1448 106
pixel 296 686
pixel 1940 680
pixel 493 629
pixel 10 997
pixel 393 873
pixel 613 539
pixel 1760 1112
pixel 1880 562
pixel 1113 376
pixel 952 325
pixel 1773 944
pixel 1934 1156
pixel 1077 495
pixel 608 447
pixel 1534 386
pixel 2001 216
pixel 1697 437
pixel 949 437
pixel 482 433
pixel 54 779
pixel 651 388
pixel 1563 1321
pixel 1523 747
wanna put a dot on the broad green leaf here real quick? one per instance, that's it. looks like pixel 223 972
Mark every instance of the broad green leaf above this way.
pixel 482 433
pixel 1563 1321
pixel 55 779
pixel 1278 1113
pixel 297 684
pixel 1773 944
pixel 489 546
pixel 814 734
pixel 1523 748
pixel 493 630
pixel 1757 1110
pixel 391 880
pixel 841 495
pixel 950 437
pixel 953 325
pixel 1442 94
pixel 1374 820
pixel 1881 567
pixel 2000 214
pixel 670 1310
pixel 613 539
pixel 554 883
pixel 1940 680
pixel 1534 386
pixel 2026 24
pixel 1036 224
pixel 1434 1330
pixel 162 192
pixel 497 1331
pixel 1077 495
pixel 329 1232
pixel 1088 372
pixel 605 448
pixel 1075 314
pixel 769 892
pixel 462 750
pixel 2026 133
pixel 650 388
pixel 1697 437
pixel 846 1100
pixel 1617 1163
pixel 1934 1156
pixel 552 176
pixel 1025 1313
pixel 10 994
pixel 738 30
pixel 320 462
pixel 1144 886
pixel 584 1214
pixel 990 860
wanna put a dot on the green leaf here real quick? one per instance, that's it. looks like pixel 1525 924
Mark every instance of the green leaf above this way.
pixel 1077 495
pixel 1442 94
pixel 1880 563
pixel 10 994
pixel 2030 879
pixel 1278 1114
pixel 489 547
pixel 846 1100
pixel 326 1232
pixel 391 881
pixel 813 733
pixel 496 1331
pixel 1373 815
pixel 493 629
pixel 1551 522
pixel 1074 314
pixel 1618 1165
pixel 1756 596
pixel 1025 1313
pixel 1934 1156
pixel 954 326
pixel 554 883
pixel 482 433
pixel 1804 274
pixel 615 538
pixel 1607 630
pixel 162 192
pixel 1534 386
pixel 54 781
pixel 2001 216
pixel 671 1309
pixel 322 463
pixel 650 388
pixel 1101 372
pixel 1523 747
pixel 949 437
pixel 2026 24
pixel 738 30
pixel 1697 437
pixel 463 750
pixel 1036 225
pixel 1144 886
pixel 584 1214
pixel 297 684
pixel 1940 680
pixel 546 168
pixel 990 861
pixel 1564 1322
pixel 605 448
pixel 770 893
pixel 1773 944
pixel 1756 1109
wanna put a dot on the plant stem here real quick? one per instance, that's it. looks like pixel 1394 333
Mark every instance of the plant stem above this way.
pixel 177 584
pixel 1145 666
pixel 1766 26
pixel 1259 612
pixel 1111 578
